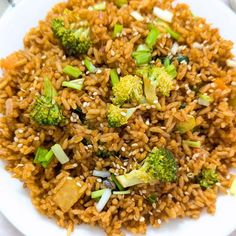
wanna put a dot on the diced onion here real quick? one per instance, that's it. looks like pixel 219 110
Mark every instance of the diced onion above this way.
pixel 103 200
pixel 99 173
pixel 121 192
pixel 163 14
pixel 60 154
pixel 231 63
pixel 137 16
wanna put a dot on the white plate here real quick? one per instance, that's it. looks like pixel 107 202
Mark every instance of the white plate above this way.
pixel 14 201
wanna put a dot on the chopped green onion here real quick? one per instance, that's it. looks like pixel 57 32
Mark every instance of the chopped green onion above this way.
pixel 89 65
pixel 74 84
pixel 204 100
pixel 121 192
pixel 101 6
pixel 152 198
pixel 120 3
pixel 117 30
pixel 142 57
pixel 72 71
pixel 194 144
pixel 182 58
pixel 60 154
pixel 171 70
pixel 114 77
pixel 143 48
pixel 43 157
pixel 152 37
pixel 116 182
pixel 173 34
pixel 49 91
pixel 97 194
pixel 187 125
pixel 167 62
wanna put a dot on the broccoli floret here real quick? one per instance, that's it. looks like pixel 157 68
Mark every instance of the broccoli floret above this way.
pixel 158 165
pixel 45 111
pixel 128 89
pixel 74 42
pixel 118 116
pixel 207 178
pixel 155 79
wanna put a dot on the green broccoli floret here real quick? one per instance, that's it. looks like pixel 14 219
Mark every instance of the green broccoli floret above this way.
pixel 128 89
pixel 74 42
pixel 45 111
pixel 207 178
pixel 155 79
pixel 158 165
pixel 118 116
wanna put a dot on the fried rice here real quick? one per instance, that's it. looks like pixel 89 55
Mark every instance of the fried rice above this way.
pixel 207 70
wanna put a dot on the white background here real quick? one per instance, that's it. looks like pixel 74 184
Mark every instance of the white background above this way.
pixel 6 229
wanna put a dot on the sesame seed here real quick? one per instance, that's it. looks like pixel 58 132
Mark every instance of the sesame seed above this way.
pixel 154 205
pixel 123 113
pixel 113 53
pixel 89 146
pixel 69 177
pixel 99 71
pixel 123 149
pixel 174 48
pixel 82 177
pixel 20 165
pixel 163 127
pixel 233 83
pixel 20 131
pixel 147 122
pixel 16 139
pixel 218 184
pixel 125 163
pixel 142 219
pixel 87 72
pixel 197 45
pixel 159 221
pixel 75 165
pixel 99 180
pixel 36 138
pixel 79 184
pixel 118 70
pixel 20 145
pixel 144 191
pixel 150 213
pixel 141 150
pixel 228 177
pixel 186 193
pixel 95 94
pixel 134 145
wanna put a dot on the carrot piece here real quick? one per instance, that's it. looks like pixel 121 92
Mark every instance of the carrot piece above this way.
pixel 221 84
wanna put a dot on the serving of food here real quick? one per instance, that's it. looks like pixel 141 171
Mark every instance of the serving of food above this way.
pixel 120 114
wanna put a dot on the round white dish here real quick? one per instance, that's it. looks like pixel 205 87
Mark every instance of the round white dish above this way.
pixel 14 200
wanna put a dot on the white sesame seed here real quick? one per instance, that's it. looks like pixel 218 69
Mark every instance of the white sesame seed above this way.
pixel 174 48
pixel 141 150
pixel 16 139
pixel 159 221
pixel 20 145
pixel 142 219
pixel 163 127
pixel 118 70
pixel 150 213
pixel 197 45
pixel 99 180
pixel 233 83
pixel 218 184
pixel 89 146
pixel 69 178
pixel 75 165
pixel 20 165
pixel 82 177
pixel 137 16
pixel 125 163
pixel 36 138
pixel 99 71
pixel 228 177
pixel 113 53
pixel 87 72
pixel 144 191
pixel 134 145
pixel 147 122
pixel 155 102
pixel 183 62
pixel 123 149
pixel 95 94
pixel 154 205
pixel 123 113
pixel 79 184
pixel 20 131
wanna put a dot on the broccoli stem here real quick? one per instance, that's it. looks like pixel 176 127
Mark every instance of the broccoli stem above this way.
pixel 49 90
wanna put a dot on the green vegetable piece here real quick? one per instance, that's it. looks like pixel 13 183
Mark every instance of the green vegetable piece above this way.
pixel 121 192
pixel 74 84
pixel 43 157
pixel 74 42
pixel 187 125
pixel 173 34
pixel 118 116
pixel 45 111
pixel 182 58
pixel 142 57
pixel 171 70
pixel 152 198
pixel 128 89
pixel 120 3
pixel 116 182
pixel 97 194
pixel 72 71
pixel 117 30
pixel 159 165
pixel 152 37
pixel 204 99
pixel 114 77
pixel 207 178
pixel 194 144
pixel 89 65
pixel 60 154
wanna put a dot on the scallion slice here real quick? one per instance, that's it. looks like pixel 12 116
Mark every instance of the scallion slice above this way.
pixel 117 30
pixel 117 183
pixel 101 173
pixel 173 34
pixel 120 3
pixel 204 100
pixel 143 48
pixel 72 71
pixel 74 84
pixel 60 154
pixel 194 144
pixel 97 194
pixel 114 77
pixel 152 37
pixel 142 57
pixel 89 65
pixel 121 192
pixel 103 200
pixel 43 157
